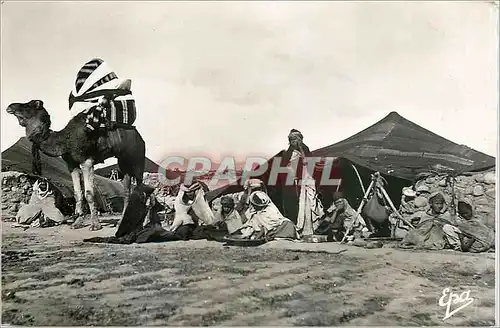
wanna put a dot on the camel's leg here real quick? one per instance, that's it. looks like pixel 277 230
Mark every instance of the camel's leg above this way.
pixel 88 181
pixel 77 187
pixel 76 175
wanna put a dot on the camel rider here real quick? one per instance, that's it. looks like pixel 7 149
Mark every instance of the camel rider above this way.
pixel 106 100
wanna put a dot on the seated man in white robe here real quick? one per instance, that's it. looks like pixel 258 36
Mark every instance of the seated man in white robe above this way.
pixel 249 187
pixel 191 210
pixel 265 221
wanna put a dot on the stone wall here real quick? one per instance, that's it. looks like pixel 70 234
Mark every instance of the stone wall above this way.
pixel 16 191
pixel 478 188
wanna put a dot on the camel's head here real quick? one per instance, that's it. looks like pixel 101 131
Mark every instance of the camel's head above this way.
pixel 33 116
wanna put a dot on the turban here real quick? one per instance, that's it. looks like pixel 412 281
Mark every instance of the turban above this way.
pixel 437 196
pixel 259 199
pixel 295 134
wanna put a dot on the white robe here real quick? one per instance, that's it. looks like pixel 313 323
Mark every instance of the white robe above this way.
pixel 310 208
pixel 199 206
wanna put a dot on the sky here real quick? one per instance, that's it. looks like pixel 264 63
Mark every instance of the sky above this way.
pixel 232 78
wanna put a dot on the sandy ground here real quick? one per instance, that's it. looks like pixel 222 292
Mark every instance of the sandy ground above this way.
pixel 50 277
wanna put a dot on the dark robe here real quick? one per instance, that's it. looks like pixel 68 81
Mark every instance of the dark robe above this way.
pixel 290 193
pixel 131 228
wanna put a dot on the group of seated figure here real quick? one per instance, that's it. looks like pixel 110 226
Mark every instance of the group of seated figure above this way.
pixel 438 228
pixel 255 216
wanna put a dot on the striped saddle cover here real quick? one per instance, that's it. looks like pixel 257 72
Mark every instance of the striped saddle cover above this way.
pixel 120 113
pixel 106 100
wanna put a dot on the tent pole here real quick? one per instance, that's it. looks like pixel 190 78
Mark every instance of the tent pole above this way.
pixel 391 204
pixel 375 184
pixel 359 179
pixel 360 207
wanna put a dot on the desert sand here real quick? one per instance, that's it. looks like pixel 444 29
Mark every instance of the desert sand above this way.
pixel 50 277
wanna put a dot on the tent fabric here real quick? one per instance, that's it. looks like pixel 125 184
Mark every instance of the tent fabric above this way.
pixel 397 147
pixel 18 158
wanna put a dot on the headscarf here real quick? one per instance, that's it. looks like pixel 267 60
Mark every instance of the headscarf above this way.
pixel 295 135
pixel 227 201
pixel 40 191
pixel 467 202
pixel 259 199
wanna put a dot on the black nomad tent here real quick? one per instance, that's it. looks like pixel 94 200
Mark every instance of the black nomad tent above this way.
pixel 400 149
pixel 18 158
pixel 397 148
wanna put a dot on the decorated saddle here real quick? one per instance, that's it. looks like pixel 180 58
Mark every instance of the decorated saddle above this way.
pixel 105 99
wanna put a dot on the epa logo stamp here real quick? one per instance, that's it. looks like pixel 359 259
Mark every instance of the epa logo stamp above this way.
pixel 454 302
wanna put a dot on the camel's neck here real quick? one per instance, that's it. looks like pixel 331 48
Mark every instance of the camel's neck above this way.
pixel 54 144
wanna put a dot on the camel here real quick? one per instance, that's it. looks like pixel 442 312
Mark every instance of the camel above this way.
pixel 81 152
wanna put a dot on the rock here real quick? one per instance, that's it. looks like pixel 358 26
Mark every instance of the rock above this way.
pixel 7 189
pixel 420 202
pixel 14 208
pixel 490 221
pixel 359 243
pixel 484 201
pixel 478 190
pixel 5 206
pixel 430 180
pixel 423 189
pixel 15 200
pixel 490 178
pixel 374 244
pixel 484 209
pixel 443 183
pixel 491 192
pixel 479 177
